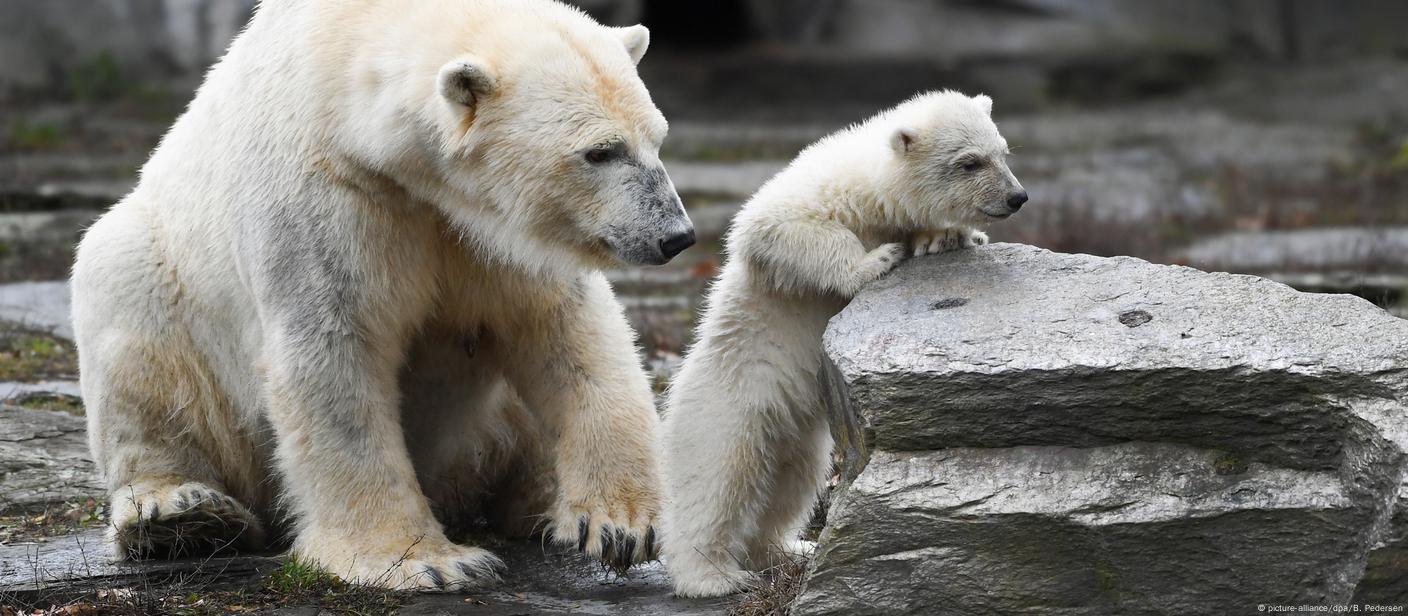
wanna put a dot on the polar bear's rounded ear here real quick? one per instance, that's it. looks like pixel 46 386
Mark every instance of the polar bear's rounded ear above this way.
pixel 985 102
pixel 903 139
pixel 636 39
pixel 465 79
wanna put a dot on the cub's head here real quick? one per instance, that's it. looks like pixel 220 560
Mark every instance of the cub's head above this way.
pixel 952 161
pixel 547 128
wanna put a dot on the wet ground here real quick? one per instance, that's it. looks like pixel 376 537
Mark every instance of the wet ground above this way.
pixel 537 581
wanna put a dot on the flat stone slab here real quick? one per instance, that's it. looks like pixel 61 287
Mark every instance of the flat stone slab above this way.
pixel 1068 434
pixel 44 459
pixel 1359 250
pixel 38 305
pixel 10 390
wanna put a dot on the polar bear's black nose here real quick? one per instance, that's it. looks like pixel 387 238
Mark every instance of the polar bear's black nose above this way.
pixel 1016 200
pixel 675 244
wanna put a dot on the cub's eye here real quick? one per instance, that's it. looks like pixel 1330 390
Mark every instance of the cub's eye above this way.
pixel 971 165
pixel 598 155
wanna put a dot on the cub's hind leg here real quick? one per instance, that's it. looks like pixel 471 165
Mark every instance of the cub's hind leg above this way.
pixel 803 465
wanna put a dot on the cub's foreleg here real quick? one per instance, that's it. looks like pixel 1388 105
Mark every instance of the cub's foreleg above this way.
pixel 817 256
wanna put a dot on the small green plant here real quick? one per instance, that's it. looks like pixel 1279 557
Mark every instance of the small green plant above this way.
pixel 296 582
pixel 1227 463
pixel 1399 162
pixel 295 577
pixel 29 356
pixel 96 79
pixel 27 135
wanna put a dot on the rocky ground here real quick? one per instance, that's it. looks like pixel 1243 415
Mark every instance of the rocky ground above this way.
pixel 1297 173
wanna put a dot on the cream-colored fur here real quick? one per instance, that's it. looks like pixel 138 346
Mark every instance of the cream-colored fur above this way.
pixel 747 443
pixel 357 289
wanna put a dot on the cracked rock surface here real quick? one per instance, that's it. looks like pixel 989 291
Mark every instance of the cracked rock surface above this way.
pixel 1068 434
pixel 43 459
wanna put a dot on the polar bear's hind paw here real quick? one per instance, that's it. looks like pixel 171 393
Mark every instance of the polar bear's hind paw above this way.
pixel 188 519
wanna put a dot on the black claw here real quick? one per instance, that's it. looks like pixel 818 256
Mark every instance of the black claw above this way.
pixel 607 542
pixel 183 503
pixel 650 542
pixel 156 511
pixel 468 571
pixel 628 550
pixel 582 534
pixel 436 577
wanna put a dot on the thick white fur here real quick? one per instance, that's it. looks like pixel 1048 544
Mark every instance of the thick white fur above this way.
pixel 356 287
pixel 747 444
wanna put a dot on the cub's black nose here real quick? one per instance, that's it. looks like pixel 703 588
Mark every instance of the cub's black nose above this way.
pixel 1016 200
pixel 675 244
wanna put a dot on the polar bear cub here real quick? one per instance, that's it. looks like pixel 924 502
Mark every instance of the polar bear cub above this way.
pixel 747 442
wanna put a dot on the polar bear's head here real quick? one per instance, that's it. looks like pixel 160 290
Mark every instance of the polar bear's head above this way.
pixel 547 127
pixel 952 161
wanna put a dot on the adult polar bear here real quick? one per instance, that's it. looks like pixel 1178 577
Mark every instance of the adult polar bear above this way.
pixel 363 262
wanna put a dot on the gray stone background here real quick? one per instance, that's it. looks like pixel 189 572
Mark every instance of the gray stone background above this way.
pixel 1253 136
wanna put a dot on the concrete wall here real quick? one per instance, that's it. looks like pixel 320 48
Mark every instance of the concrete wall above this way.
pixel 59 46
pixel 51 46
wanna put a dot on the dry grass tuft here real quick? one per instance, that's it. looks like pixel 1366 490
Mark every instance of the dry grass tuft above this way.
pixel 778 591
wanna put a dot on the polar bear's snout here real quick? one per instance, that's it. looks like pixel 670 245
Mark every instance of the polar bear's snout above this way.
pixel 651 225
pixel 1016 199
pixel 675 244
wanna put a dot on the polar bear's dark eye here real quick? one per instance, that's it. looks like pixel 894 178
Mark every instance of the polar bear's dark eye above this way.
pixel 598 155
pixel 971 165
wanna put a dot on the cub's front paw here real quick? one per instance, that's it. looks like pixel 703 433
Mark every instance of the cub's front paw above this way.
pixel 885 258
pixel 945 240
pixel 618 534
pixel 416 563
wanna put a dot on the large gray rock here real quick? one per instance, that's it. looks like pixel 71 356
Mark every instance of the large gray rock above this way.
pixel 1067 434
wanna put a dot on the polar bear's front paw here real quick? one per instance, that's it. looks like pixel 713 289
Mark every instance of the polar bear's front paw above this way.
pixel 171 517
pixel 609 534
pixel 406 564
pixel 945 240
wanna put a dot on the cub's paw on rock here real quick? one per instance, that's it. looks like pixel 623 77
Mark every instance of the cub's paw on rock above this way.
pixel 881 260
pixel 170 518
pixel 419 563
pixel 945 240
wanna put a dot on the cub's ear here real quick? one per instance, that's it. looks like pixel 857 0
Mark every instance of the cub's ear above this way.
pixel 902 140
pixel 636 39
pixel 466 78
pixel 984 102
